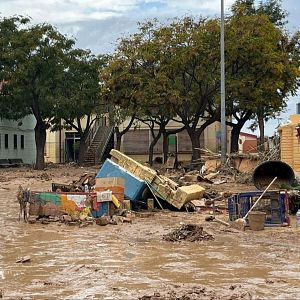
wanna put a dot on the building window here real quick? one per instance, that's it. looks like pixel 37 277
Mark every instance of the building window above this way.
pixel 15 141
pixel 22 141
pixel 6 141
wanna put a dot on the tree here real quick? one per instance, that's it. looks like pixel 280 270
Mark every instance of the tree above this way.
pixel 118 116
pixel 134 83
pixel 34 57
pixel 268 60
pixel 191 62
pixel 271 8
pixel 170 73
pixel 9 37
pixel 79 101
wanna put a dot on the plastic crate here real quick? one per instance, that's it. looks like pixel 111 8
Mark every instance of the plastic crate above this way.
pixel 273 203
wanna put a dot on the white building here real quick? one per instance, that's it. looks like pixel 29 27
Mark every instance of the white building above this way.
pixel 17 139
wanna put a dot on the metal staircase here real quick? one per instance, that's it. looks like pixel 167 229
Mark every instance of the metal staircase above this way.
pixel 97 142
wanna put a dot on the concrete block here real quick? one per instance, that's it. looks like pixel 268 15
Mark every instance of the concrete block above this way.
pixel 134 167
pixel 187 193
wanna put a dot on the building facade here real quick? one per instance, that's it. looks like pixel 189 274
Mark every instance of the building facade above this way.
pixel 17 139
pixel 290 142
pixel 61 145
pixel 247 143
pixel 136 141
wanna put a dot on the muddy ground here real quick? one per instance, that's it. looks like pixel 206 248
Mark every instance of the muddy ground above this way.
pixel 132 261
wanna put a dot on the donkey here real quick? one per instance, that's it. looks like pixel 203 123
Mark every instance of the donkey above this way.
pixel 23 197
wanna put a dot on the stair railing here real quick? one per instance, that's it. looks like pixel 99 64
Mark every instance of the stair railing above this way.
pixel 106 135
pixel 92 133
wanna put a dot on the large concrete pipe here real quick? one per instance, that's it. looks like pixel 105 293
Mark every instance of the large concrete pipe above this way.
pixel 265 172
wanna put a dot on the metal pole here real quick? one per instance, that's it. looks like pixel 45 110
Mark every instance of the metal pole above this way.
pixel 223 124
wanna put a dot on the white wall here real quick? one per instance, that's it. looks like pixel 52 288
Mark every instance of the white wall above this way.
pixel 15 127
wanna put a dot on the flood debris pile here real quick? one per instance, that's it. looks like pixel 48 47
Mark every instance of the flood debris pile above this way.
pixel 83 183
pixel 121 183
pixel 188 232
pixel 234 292
pixel 124 184
pixel 160 186
pixel 237 168
pixel 82 208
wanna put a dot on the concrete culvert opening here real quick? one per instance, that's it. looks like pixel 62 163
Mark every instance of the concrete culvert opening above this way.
pixel 266 172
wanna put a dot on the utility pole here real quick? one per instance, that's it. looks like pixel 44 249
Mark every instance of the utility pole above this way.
pixel 223 121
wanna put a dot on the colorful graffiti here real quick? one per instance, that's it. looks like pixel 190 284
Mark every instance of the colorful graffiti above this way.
pixel 73 204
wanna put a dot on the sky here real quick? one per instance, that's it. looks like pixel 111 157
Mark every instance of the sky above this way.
pixel 98 24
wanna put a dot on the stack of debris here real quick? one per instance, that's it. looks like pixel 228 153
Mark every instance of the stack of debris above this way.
pixel 86 181
pixel 187 292
pixel 122 183
pixel 213 202
pixel 238 167
pixel 76 207
pixel 119 217
pixel 161 186
pixel 188 232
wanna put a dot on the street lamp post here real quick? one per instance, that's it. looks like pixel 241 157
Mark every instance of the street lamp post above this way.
pixel 223 121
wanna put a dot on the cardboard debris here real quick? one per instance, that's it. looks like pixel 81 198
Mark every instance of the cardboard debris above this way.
pixel 211 176
pixel 198 203
pixel 212 164
pixel 170 164
pixel 109 182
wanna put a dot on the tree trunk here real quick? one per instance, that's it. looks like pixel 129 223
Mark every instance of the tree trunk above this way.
pixel 151 147
pixel 236 130
pixel 261 125
pixel 40 141
pixel 119 133
pixel 82 149
pixel 235 135
pixel 195 140
pixel 165 147
pixel 118 138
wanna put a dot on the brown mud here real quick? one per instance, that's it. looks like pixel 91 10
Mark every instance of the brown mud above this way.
pixel 132 261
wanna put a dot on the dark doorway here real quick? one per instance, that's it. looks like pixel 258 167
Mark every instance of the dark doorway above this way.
pixel 72 146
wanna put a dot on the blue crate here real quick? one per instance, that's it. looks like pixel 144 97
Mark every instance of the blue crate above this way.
pixel 134 186
pixel 240 204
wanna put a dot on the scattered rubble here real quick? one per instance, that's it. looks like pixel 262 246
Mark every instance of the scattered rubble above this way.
pixel 193 293
pixel 78 185
pixel 103 221
pixel 188 232
pixel 45 176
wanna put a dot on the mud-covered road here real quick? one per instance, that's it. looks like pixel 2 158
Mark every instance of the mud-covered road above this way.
pixel 128 261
